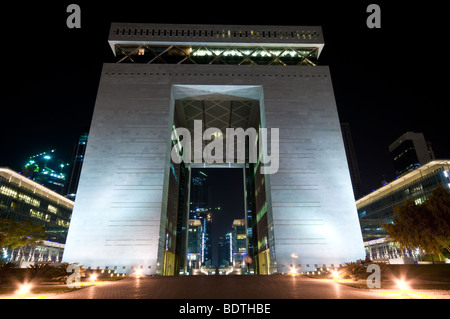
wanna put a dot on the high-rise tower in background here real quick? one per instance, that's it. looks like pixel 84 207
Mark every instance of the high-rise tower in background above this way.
pixel 48 169
pixel 410 151
pixel 77 163
pixel 352 160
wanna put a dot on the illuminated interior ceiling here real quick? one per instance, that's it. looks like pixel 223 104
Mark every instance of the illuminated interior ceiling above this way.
pixel 216 44
pixel 217 110
pixel 182 54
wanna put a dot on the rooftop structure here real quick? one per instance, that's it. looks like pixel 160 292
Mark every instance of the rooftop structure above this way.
pixel 218 44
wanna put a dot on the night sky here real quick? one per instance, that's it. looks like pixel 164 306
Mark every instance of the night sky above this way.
pixel 387 81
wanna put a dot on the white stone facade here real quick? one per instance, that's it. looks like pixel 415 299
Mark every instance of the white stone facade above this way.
pixel 119 213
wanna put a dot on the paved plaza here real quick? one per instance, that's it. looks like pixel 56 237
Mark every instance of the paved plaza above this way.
pixel 220 287
pixel 253 296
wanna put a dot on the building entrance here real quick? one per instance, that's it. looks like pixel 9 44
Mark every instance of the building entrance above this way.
pixel 224 112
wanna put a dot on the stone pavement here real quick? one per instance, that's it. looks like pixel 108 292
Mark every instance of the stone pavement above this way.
pixel 220 287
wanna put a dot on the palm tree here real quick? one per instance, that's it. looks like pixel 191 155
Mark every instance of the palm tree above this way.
pixel 60 273
pixel 38 272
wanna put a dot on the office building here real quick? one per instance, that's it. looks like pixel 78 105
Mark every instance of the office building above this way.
pixel 195 245
pixel 76 164
pixel 351 160
pixel 377 208
pixel 170 77
pixel 22 199
pixel 47 169
pixel 409 152
pixel 239 242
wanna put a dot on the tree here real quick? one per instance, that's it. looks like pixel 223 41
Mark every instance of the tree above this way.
pixel 438 205
pixel 426 226
pixel 5 226
pixel 20 235
pixel 38 272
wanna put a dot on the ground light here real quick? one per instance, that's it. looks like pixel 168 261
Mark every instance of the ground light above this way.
pixel 403 286
pixel 293 271
pixel 138 273
pixel 404 291
pixel 337 277
pixel 335 274
pixel 93 278
pixel 24 293
pixel 24 290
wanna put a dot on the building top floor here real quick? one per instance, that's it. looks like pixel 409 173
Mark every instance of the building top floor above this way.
pixel 32 187
pixel 407 179
pixel 216 35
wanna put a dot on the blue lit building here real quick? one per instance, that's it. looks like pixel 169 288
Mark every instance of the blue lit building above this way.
pixel 47 169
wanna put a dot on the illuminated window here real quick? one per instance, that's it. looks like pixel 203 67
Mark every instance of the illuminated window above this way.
pixel 63 223
pixel 52 209
pixel 8 191
pixel 36 214
pixel 29 200
pixel 141 51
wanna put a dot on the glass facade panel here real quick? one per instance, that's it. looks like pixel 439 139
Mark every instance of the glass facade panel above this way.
pixel 19 202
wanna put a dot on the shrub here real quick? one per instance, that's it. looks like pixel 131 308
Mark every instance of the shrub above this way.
pixel 353 270
pixel 38 272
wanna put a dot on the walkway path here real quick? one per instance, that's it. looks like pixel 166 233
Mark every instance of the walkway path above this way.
pixel 220 287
